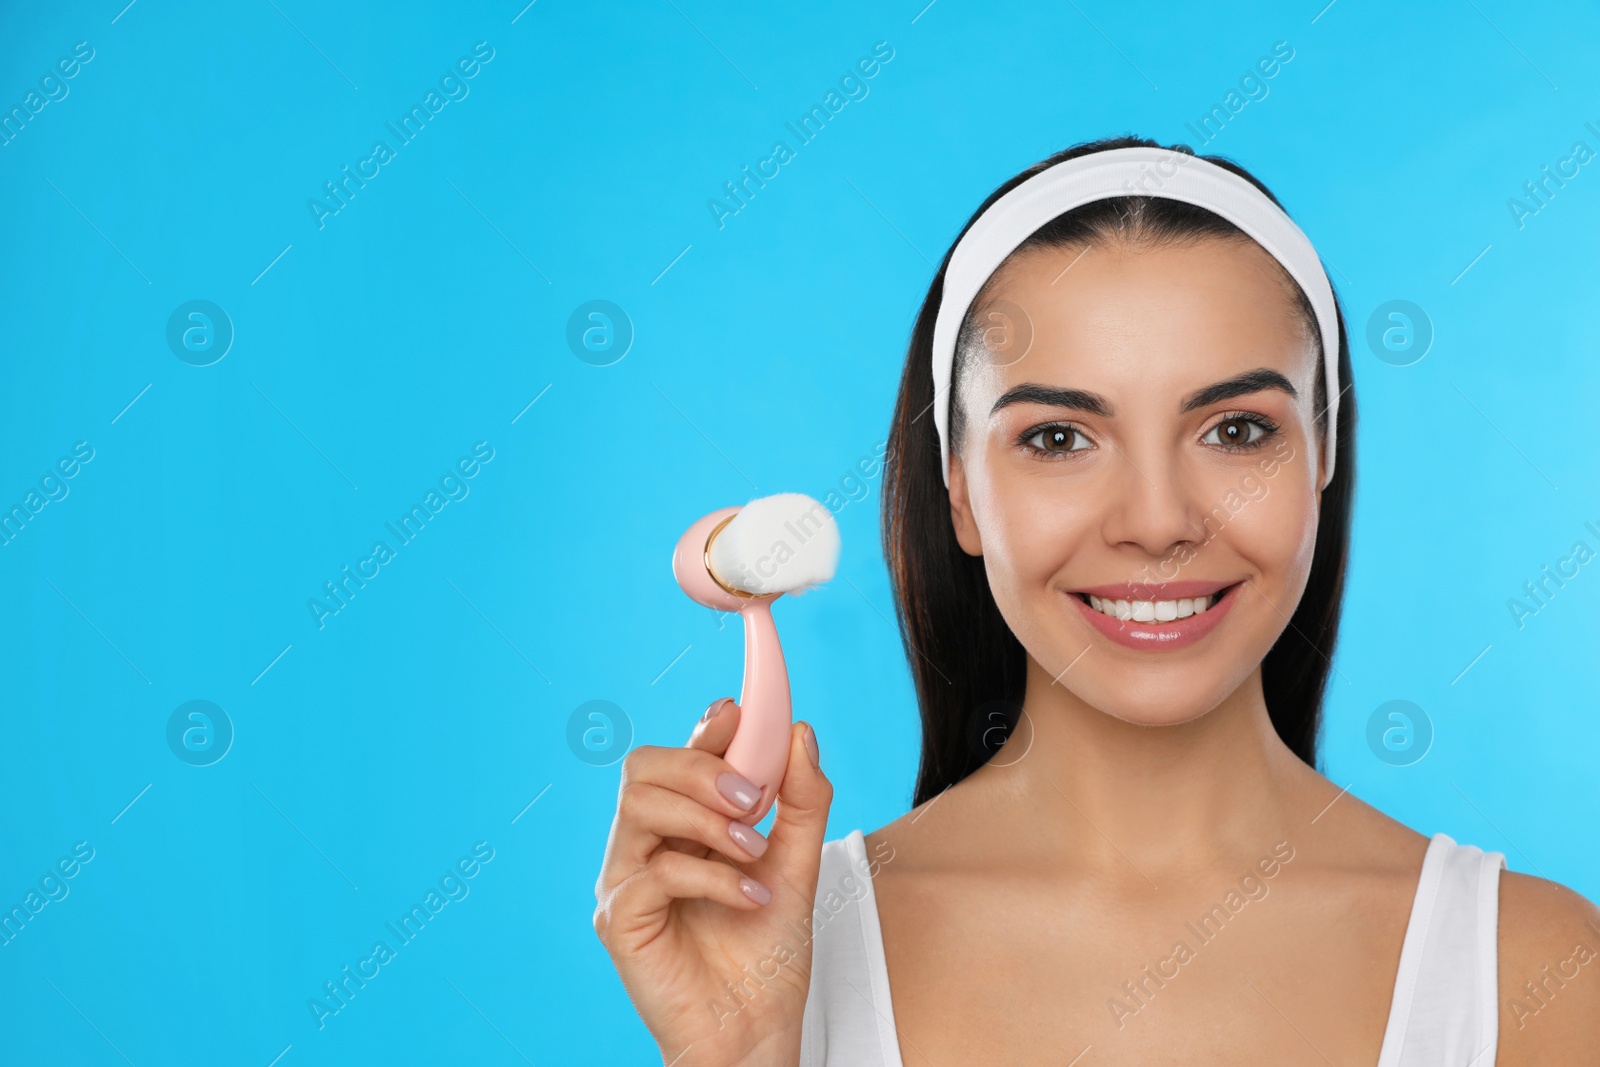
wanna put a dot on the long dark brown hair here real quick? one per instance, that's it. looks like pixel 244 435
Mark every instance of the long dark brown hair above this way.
pixel 969 668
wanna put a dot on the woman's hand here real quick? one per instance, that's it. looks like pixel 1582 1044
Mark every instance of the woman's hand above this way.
pixel 706 921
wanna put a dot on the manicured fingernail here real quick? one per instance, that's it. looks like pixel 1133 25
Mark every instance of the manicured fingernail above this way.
pixel 716 709
pixel 748 839
pixel 738 790
pixel 811 746
pixel 755 890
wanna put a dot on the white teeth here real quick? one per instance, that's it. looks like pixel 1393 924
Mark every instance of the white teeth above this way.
pixel 1151 610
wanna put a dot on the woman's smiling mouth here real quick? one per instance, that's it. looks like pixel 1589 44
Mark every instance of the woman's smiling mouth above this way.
pixel 1146 615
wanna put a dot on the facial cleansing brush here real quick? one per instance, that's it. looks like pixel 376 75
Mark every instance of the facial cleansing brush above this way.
pixel 741 560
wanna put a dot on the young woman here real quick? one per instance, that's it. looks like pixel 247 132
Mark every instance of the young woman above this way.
pixel 1116 513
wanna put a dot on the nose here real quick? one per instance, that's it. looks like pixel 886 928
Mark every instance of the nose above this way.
pixel 1152 505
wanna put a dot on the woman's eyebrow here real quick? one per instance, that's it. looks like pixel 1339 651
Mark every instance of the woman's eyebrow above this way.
pixel 1252 381
pixel 1033 393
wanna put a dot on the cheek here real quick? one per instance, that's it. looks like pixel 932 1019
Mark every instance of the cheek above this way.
pixel 1277 535
pixel 1028 536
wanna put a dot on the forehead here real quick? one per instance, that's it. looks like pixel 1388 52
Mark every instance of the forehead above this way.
pixel 1112 318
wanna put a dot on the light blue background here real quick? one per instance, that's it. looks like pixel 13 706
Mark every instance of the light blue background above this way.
pixel 429 312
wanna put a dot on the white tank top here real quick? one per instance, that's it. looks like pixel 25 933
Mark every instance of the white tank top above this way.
pixel 1443 1009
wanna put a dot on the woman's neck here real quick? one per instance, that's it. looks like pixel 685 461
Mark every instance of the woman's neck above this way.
pixel 1075 783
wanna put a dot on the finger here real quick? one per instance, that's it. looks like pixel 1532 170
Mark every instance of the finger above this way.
pixel 640 902
pixel 702 776
pixel 712 733
pixel 648 815
pixel 794 851
pixel 697 776
pixel 716 727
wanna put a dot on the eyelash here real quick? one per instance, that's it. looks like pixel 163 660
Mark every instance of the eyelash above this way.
pixel 1048 454
pixel 1268 427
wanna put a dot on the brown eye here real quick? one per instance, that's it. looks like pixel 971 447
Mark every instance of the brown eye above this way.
pixel 1056 438
pixel 1238 431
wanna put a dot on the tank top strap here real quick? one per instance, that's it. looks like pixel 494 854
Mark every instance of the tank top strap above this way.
pixel 848 1015
pixel 1444 1008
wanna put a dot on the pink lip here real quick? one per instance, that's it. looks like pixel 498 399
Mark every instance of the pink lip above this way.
pixel 1147 636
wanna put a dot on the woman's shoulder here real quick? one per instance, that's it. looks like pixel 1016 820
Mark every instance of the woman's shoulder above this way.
pixel 851 845
pixel 1549 964
pixel 849 858
pixel 924 844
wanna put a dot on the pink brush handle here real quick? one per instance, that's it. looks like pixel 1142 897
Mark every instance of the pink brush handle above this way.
pixel 760 747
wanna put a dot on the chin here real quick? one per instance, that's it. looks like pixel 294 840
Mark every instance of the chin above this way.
pixel 1151 701
pixel 1154 687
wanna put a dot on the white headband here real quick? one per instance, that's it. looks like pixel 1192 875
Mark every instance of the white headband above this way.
pixel 1124 172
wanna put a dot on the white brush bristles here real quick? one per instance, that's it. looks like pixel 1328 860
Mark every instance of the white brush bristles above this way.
pixel 784 543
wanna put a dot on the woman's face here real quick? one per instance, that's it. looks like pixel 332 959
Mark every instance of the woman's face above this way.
pixel 1142 431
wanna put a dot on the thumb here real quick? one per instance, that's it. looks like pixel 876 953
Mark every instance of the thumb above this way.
pixel 804 798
